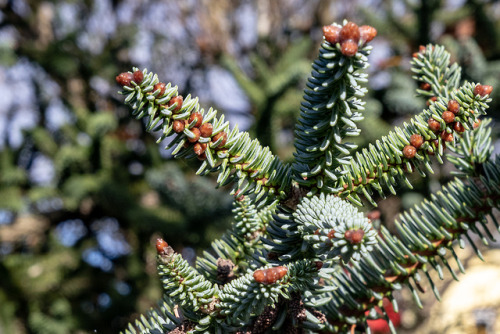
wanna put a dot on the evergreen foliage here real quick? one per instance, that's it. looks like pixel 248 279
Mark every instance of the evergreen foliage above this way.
pixel 299 257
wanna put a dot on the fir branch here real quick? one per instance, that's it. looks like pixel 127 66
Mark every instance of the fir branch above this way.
pixel 239 244
pixel 384 164
pixel 157 320
pixel 432 69
pixel 199 133
pixel 196 297
pixel 322 227
pixel 245 297
pixel 426 233
pixel 331 107
pixel 472 150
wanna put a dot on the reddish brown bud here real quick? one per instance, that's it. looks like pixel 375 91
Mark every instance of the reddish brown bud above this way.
pixel 421 49
pixel 198 117
pixel 178 126
pixel 409 151
pixel 349 48
pixel 269 275
pixel 239 197
pixel 222 135
pixel 331 234
pixel 476 124
pixel 373 215
pixel 483 90
pixel 453 106
pixel 432 99
pixel 176 99
pixel 196 133
pixel 458 127
pixel 448 116
pixel 331 34
pixel 367 34
pixel 124 79
pixel 199 148
pixel 445 136
pixel 161 245
pixel 206 129
pixel 318 264
pixel 138 77
pixel 354 236
pixel 161 86
pixel 425 86
pixel 433 124
pixel 416 140
pixel 202 156
pixel 349 32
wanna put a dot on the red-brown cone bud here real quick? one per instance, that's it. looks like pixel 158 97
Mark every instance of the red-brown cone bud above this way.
pixel 222 135
pixel 270 275
pixel 453 106
pixel 354 236
pixel 367 34
pixel 349 32
pixel 176 99
pixel 349 48
pixel 445 136
pixel 199 148
pixel 409 151
pixel 331 34
pixel 448 117
pixel 483 90
pixel 138 77
pixel 429 101
pixel 458 127
pixel 425 86
pixel 433 124
pixel 196 137
pixel 124 79
pixel 161 246
pixel 161 86
pixel 198 117
pixel 318 264
pixel 373 215
pixel 416 140
pixel 178 126
pixel 206 129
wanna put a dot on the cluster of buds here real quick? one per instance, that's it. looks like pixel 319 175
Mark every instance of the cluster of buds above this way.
pixel 270 275
pixel 350 36
pixel 126 78
pixel 449 117
pixel 353 236
pixel 416 140
pixel 194 123
pixel 425 85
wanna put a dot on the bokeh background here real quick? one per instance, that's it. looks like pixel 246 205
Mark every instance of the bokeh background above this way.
pixel 84 191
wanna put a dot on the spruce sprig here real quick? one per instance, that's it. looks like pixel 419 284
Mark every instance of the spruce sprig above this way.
pixel 331 109
pixel 199 133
